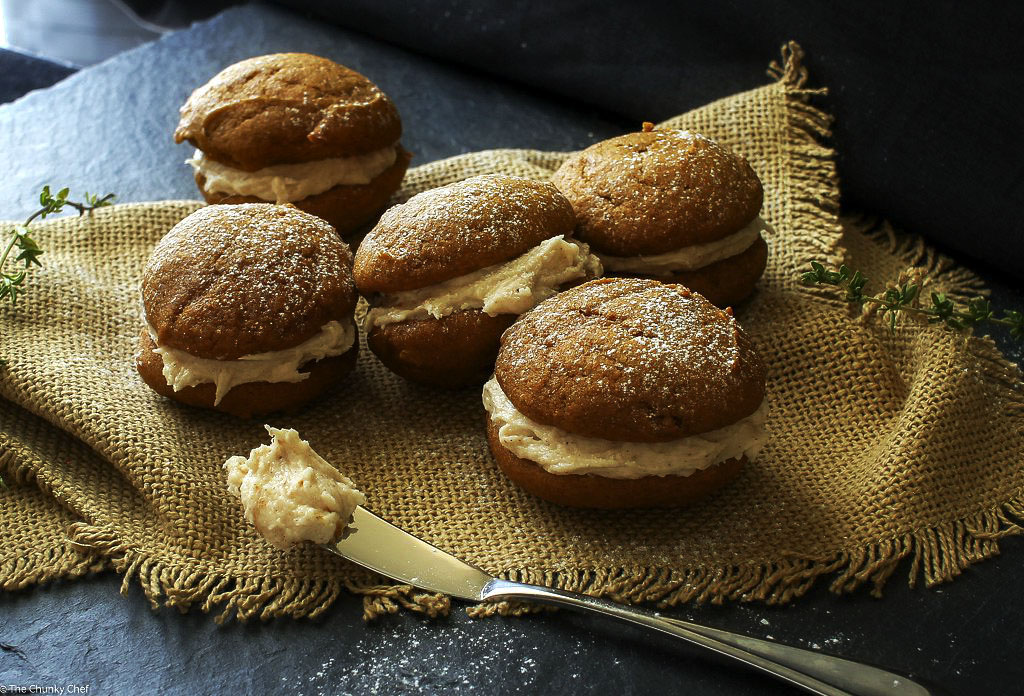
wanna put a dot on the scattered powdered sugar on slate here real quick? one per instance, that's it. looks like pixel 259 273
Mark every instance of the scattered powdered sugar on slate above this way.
pixel 424 657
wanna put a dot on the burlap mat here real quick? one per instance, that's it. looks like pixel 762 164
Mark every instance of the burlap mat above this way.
pixel 883 445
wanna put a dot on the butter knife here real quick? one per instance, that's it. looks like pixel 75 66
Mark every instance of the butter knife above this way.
pixel 384 548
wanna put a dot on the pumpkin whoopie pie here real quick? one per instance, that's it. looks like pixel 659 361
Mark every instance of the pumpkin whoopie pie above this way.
pixel 248 309
pixel 623 393
pixel 295 128
pixel 446 272
pixel 671 205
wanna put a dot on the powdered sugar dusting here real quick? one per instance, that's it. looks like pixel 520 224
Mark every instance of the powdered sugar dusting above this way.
pixel 453 230
pixel 658 191
pixel 630 359
pixel 261 275
pixel 287 107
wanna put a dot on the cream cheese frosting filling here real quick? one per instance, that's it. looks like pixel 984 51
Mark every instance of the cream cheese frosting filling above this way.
pixel 561 452
pixel 284 183
pixel 692 257
pixel 290 493
pixel 182 369
pixel 506 288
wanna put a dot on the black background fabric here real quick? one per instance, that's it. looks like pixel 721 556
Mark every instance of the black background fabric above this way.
pixel 926 95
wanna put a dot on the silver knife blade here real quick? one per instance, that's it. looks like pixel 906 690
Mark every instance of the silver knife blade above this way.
pixel 384 548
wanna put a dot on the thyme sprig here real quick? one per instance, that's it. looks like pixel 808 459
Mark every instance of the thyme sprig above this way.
pixel 905 297
pixel 29 251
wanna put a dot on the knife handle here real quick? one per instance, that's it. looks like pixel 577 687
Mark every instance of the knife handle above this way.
pixel 815 672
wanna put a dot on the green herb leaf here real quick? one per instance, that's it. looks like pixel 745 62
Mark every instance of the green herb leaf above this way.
pixel 904 298
pixel 29 251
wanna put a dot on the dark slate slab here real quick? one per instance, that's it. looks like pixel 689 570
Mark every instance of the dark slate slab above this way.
pixel 23 73
pixel 108 128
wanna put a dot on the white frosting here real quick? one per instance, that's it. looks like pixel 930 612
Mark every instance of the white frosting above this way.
pixel 290 493
pixel 507 288
pixel 182 369
pixel 561 452
pixel 283 183
pixel 692 257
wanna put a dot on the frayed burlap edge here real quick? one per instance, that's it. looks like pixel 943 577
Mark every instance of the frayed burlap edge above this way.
pixel 47 564
pixel 811 166
pixel 937 555
pixel 265 597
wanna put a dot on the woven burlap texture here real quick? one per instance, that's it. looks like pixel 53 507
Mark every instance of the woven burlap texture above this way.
pixel 883 444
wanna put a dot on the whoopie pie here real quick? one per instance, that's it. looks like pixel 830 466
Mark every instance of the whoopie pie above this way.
pixel 296 128
pixel 449 270
pixel 248 309
pixel 671 205
pixel 623 393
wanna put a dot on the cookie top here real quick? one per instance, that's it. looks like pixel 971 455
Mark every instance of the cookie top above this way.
pixel 232 280
pixel 630 359
pixel 450 231
pixel 657 191
pixel 287 108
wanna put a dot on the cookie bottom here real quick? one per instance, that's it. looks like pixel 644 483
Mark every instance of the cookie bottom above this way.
pixel 454 351
pixel 252 398
pixel 590 491
pixel 346 207
pixel 724 283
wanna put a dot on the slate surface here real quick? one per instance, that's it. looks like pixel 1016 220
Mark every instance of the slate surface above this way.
pixel 108 128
